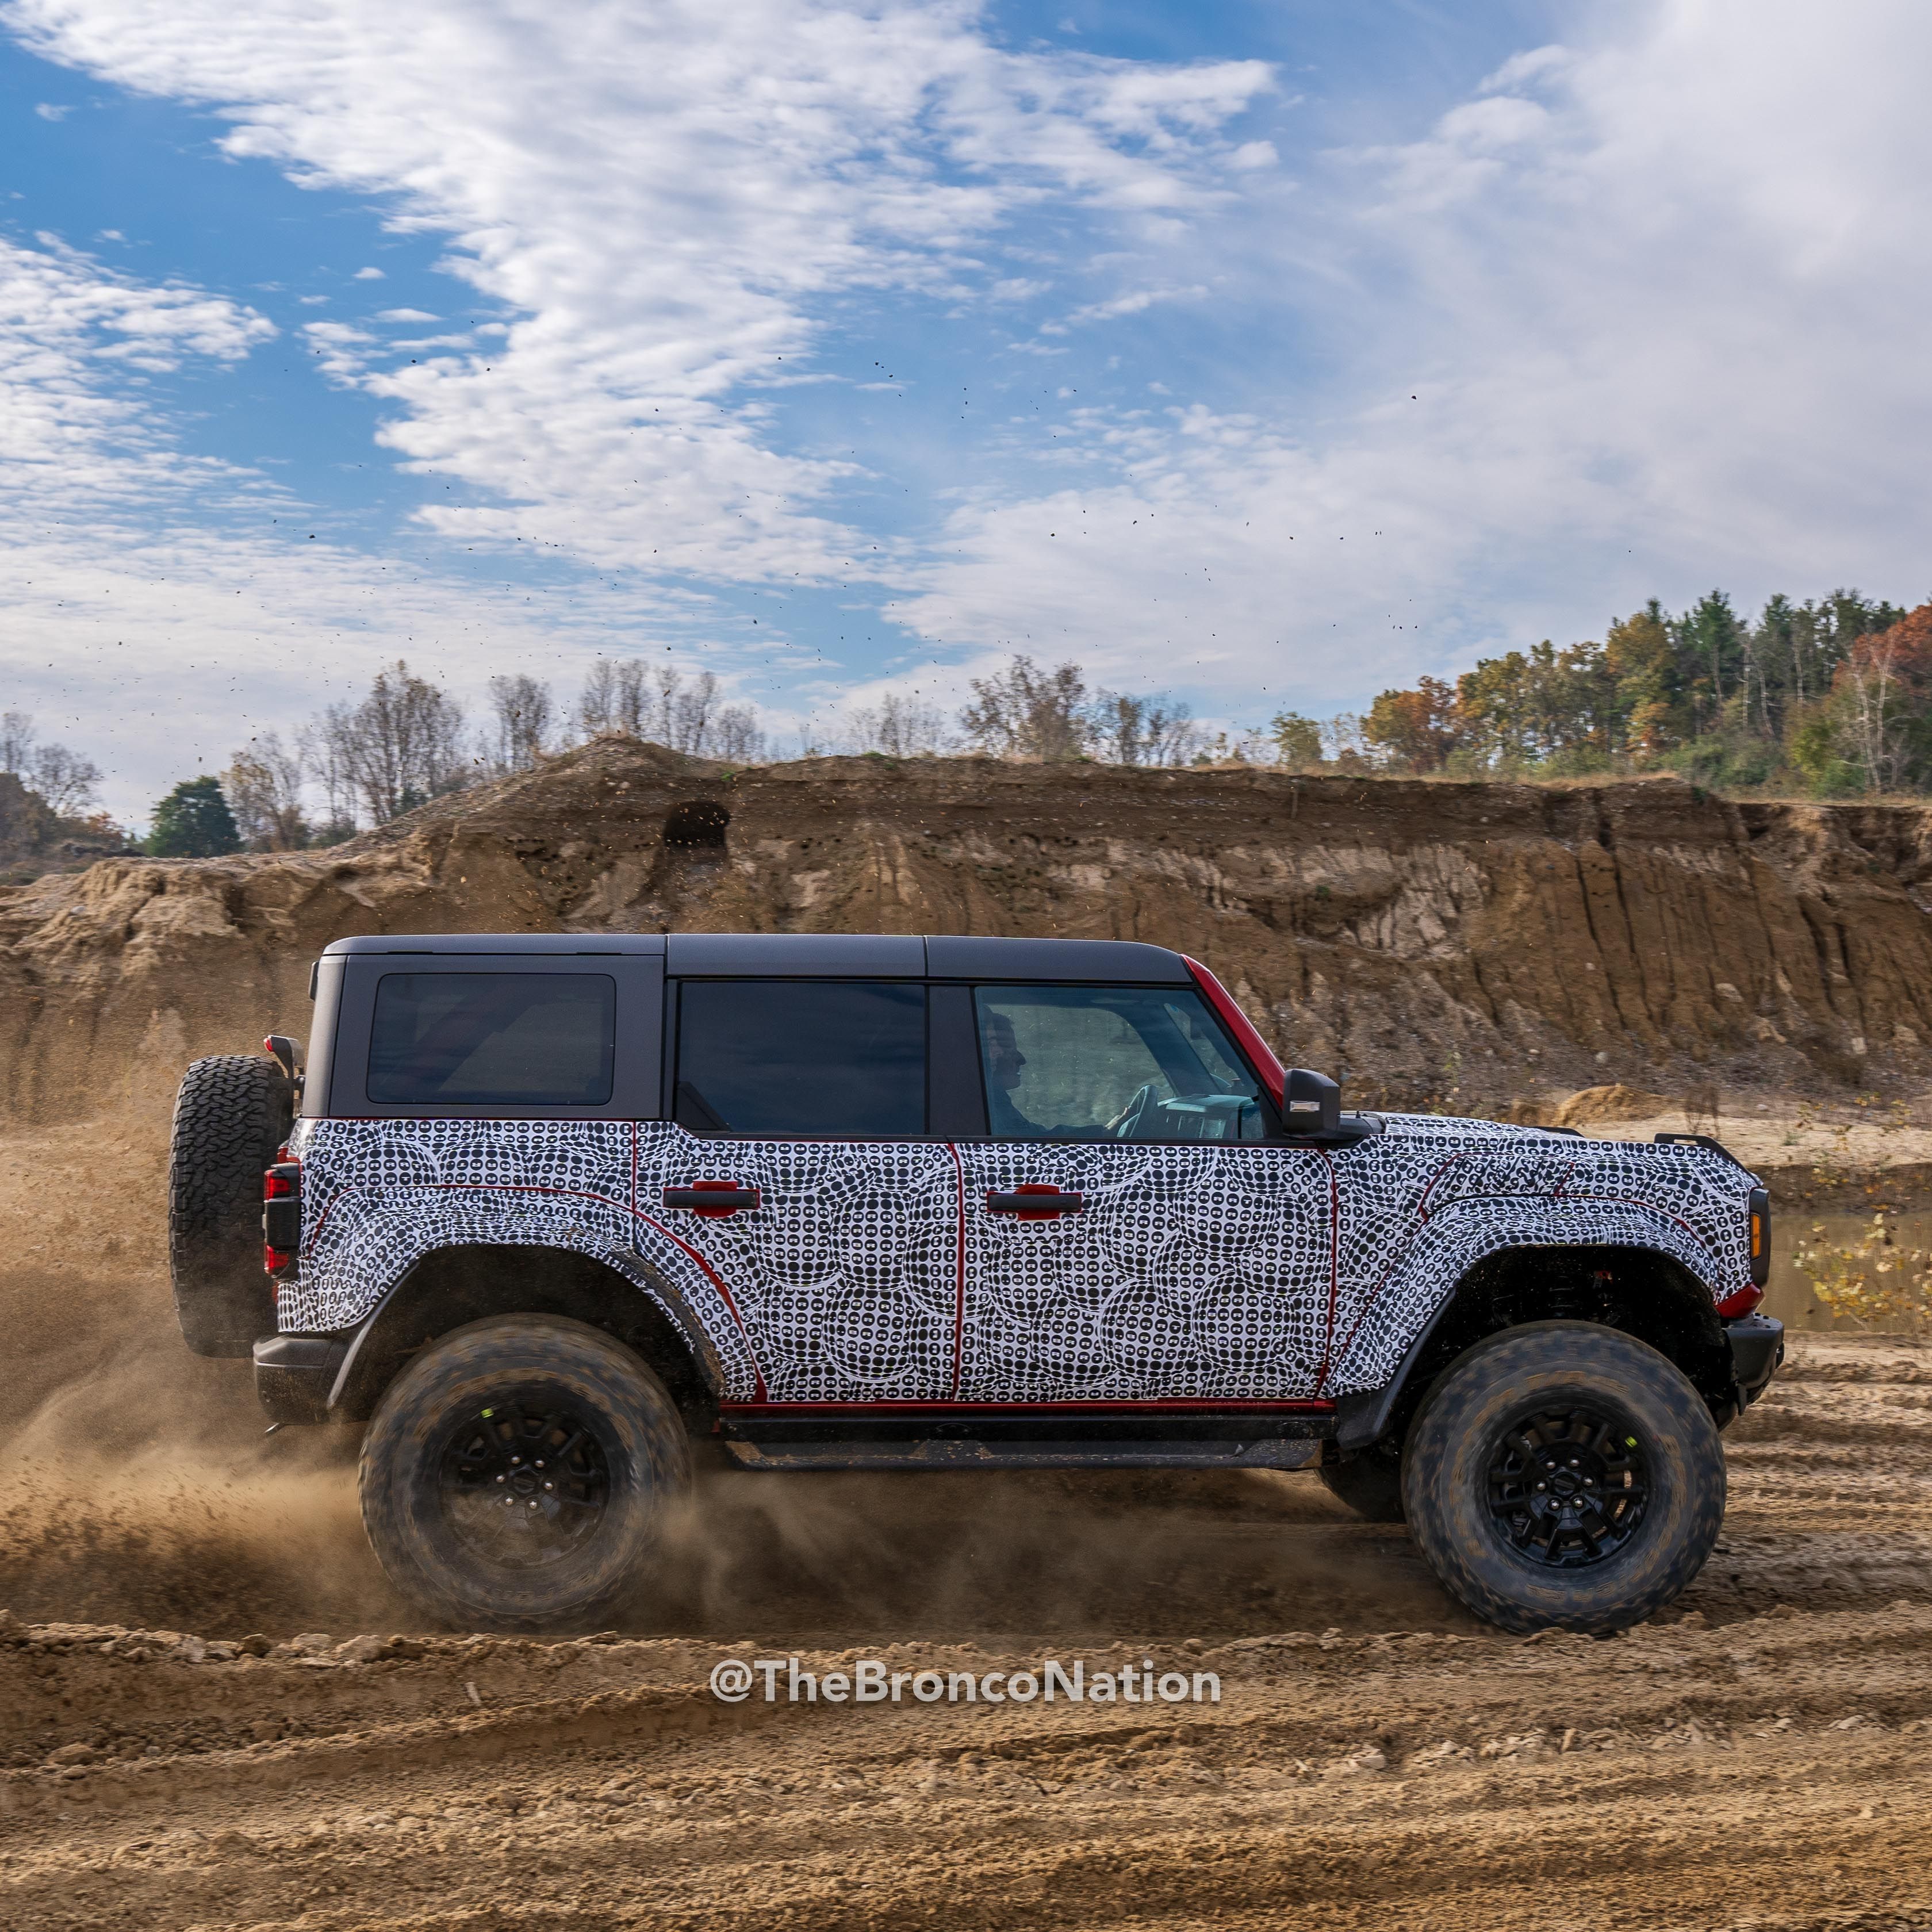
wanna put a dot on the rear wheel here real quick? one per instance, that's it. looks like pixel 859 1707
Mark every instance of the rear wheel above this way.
pixel 231 1114
pixel 1564 1475
pixel 517 1475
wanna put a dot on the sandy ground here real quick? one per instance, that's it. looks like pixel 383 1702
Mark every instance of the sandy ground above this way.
pixel 214 1713
pixel 199 1753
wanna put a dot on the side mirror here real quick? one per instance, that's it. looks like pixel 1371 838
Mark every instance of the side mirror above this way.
pixel 1311 1103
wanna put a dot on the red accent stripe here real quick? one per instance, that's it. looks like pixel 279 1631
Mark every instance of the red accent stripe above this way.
pixel 1261 1055
pixel 958 1273
pixel 1334 1268
pixel 1422 1206
pixel 718 1282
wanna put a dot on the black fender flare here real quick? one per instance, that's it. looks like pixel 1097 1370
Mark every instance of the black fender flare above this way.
pixel 631 1268
pixel 1362 1419
pixel 1365 1417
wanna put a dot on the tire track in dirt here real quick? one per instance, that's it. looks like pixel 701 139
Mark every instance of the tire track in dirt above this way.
pixel 1758 1760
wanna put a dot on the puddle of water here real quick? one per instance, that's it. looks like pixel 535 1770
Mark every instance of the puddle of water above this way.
pixel 1788 1294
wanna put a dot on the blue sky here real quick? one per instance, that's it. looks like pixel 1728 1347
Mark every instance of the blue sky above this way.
pixel 1266 354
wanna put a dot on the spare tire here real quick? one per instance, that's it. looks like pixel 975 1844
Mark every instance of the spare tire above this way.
pixel 233 1112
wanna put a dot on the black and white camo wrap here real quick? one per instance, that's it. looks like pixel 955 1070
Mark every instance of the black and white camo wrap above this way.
pixel 873 1272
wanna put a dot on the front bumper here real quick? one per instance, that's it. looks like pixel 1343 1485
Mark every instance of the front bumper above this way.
pixel 295 1374
pixel 1757 1348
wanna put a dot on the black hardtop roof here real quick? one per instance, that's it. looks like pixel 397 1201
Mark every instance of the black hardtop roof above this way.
pixel 832 954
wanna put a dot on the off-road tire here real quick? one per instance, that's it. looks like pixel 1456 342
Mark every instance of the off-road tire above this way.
pixel 536 1365
pixel 1369 1483
pixel 1462 1433
pixel 233 1112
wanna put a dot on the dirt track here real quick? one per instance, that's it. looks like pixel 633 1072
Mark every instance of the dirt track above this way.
pixel 1376 1759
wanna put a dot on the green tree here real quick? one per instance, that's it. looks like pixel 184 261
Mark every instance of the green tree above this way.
pixel 1297 740
pixel 1710 643
pixel 193 822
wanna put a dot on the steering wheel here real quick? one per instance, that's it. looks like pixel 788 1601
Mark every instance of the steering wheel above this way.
pixel 1129 1119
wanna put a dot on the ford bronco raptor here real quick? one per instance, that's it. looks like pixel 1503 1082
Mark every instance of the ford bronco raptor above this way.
pixel 548 1215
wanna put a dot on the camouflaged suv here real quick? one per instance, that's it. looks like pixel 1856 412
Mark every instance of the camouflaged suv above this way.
pixel 552 1218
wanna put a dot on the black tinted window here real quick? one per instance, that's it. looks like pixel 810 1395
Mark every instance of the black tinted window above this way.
pixel 505 1039
pixel 802 1057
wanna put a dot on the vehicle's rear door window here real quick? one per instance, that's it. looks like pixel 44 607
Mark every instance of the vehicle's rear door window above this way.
pixel 784 1058
pixel 1111 1063
pixel 507 1040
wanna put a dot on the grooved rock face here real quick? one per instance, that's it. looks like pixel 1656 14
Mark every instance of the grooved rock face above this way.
pixel 1457 943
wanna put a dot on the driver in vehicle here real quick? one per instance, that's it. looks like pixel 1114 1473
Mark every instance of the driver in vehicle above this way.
pixel 1004 1060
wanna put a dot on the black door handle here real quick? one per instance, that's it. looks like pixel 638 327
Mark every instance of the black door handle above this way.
pixel 711 1197
pixel 1032 1199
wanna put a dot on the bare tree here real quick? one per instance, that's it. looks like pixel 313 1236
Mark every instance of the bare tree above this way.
pixel 401 745
pixel 1343 742
pixel 1154 730
pixel 614 699
pixel 656 702
pixel 900 726
pixel 263 786
pixel 323 760
pixel 64 780
pixel 735 736
pixel 523 708
pixel 1025 712
pixel 17 736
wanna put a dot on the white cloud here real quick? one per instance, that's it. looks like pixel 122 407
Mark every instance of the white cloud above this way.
pixel 161 604
pixel 405 315
pixel 1645 316
pixel 1644 313
pixel 665 208
pixel 47 111
pixel 367 275
pixel 1134 302
pixel 70 332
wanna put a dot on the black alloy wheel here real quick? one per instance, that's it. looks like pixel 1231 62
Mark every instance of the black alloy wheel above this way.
pixel 1568 1486
pixel 522 1489
pixel 1564 1475
pixel 520 1473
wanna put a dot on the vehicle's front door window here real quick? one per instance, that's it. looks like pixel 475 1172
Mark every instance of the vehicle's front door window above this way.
pixel 1107 1063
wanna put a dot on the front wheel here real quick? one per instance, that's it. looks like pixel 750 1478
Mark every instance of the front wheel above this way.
pixel 517 1475
pixel 1564 1475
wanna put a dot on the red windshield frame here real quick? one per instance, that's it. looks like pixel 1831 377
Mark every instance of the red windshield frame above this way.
pixel 1261 1055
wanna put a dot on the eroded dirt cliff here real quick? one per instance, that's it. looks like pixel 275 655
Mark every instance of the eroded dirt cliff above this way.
pixel 1427 941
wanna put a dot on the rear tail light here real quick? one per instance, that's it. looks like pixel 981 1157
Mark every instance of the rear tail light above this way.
pixel 281 1217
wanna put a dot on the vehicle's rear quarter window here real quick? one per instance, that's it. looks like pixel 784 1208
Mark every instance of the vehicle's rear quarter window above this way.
pixel 509 1040
pixel 784 1057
